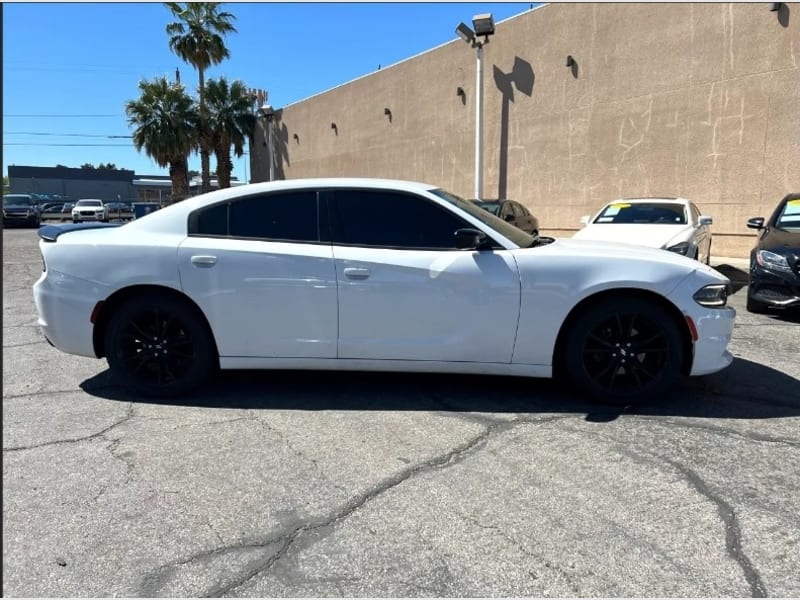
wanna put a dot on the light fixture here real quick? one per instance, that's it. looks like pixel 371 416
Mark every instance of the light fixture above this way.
pixel 387 112
pixel 570 60
pixel 465 33
pixel 460 92
pixel 776 7
pixel 483 24
pixel 296 137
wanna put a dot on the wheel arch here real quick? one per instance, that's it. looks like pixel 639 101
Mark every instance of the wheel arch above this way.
pixel 673 311
pixel 110 304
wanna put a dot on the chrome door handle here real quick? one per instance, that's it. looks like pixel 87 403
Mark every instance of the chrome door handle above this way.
pixel 356 273
pixel 204 261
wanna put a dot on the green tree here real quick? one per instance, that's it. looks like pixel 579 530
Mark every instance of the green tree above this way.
pixel 87 166
pixel 165 121
pixel 230 122
pixel 197 37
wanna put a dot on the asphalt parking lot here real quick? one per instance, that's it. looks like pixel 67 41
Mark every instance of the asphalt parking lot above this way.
pixel 326 484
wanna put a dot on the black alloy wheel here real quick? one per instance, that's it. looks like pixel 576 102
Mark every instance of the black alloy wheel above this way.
pixel 159 346
pixel 624 351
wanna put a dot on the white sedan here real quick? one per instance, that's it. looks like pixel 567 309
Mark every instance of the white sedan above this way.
pixel 673 224
pixel 369 274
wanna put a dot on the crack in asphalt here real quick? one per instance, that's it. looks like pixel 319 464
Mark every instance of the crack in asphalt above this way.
pixel 37 342
pixel 150 583
pixel 733 533
pixel 725 431
pixel 547 564
pixel 128 415
pixel 297 452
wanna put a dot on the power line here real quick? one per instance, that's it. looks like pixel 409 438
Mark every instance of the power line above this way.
pixel 55 144
pixel 47 133
pixel 61 116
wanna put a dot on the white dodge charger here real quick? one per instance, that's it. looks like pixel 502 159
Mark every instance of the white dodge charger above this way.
pixel 370 274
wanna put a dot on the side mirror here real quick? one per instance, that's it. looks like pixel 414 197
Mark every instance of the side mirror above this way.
pixel 585 220
pixel 705 221
pixel 756 223
pixel 469 239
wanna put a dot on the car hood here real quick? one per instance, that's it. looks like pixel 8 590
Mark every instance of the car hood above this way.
pixel 776 239
pixel 654 236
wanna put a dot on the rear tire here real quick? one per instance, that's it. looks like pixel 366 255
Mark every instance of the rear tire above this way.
pixel 158 345
pixel 622 351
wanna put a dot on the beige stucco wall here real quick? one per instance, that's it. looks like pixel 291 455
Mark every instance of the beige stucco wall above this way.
pixel 693 100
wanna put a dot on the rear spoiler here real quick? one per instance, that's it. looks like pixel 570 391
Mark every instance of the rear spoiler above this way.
pixel 50 233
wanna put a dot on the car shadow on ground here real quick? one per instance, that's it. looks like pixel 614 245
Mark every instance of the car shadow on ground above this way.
pixel 739 278
pixel 745 390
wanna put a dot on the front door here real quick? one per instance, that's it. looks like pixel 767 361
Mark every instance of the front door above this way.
pixel 406 292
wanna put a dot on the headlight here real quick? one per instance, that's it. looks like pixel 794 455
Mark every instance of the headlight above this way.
pixel 712 296
pixel 681 248
pixel 770 260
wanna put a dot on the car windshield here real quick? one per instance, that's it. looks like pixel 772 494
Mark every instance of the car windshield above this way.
pixel 641 213
pixel 12 200
pixel 789 217
pixel 89 203
pixel 492 207
pixel 519 237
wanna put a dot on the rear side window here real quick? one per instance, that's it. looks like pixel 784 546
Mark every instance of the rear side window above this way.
pixel 283 216
pixel 388 219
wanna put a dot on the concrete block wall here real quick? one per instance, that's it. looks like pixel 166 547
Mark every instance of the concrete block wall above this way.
pixel 683 99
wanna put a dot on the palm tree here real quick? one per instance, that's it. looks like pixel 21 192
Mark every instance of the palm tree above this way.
pixel 197 37
pixel 165 117
pixel 230 122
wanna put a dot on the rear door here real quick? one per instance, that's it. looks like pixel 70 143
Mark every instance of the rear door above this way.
pixel 406 292
pixel 262 271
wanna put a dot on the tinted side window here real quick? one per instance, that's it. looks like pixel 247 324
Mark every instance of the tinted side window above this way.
pixel 393 219
pixel 290 216
pixel 209 221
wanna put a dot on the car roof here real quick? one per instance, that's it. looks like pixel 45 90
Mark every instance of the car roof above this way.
pixel 660 200
pixel 294 184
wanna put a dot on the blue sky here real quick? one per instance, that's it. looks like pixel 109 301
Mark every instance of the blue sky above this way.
pixel 62 62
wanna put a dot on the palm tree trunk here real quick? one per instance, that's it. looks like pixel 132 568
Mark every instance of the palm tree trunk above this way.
pixel 177 173
pixel 205 168
pixel 224 165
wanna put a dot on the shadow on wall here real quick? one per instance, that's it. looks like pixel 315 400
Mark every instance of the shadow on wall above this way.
pixel 522 78
pixel 281 141
pixel 783 14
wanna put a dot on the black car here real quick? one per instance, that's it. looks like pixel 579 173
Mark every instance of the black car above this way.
pixel 512 212
pixel 775 261
pixel 20 209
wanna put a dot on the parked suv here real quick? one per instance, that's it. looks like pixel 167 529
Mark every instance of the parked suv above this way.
pixel 20 209
pixel 89 210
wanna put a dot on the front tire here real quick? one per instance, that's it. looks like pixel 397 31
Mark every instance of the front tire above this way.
pixel 158 345
pixel 622 351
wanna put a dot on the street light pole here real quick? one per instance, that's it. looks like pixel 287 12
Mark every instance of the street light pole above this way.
pixel 268 112
pixel 479 123
pixel 484 26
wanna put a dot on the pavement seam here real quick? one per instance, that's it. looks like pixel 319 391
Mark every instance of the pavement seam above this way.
pixel 128 415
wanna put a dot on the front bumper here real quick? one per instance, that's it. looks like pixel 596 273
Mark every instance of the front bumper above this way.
pixel 773 288
pixel 88 216
pixel 19 219
pixel 714 329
